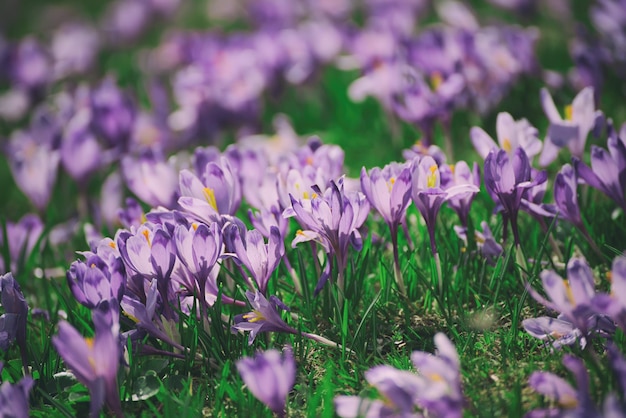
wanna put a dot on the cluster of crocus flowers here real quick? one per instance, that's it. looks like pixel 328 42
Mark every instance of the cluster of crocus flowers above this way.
pixel 435 390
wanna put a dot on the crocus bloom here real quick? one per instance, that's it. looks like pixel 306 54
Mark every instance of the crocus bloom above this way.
pixel 573 299
pixel 13 321
pixel 94 361
pixel 580 118
pixel 570 401
pixel 511 134
pixel 428 194
pixel 507 177
pixel 154 181
pixel 565 196
pixel 608 169
pixel 34 167
pixel 263 318
pixel 14 398
pixel 332 219
pixel 460 174
pixel 259 258
pixel 22 237
pixel 113 113
pixel 217 192
pixel 270 377
pixel 435 389
pixel 486 243
pixel 80 152
pixel 93 280
pixel 614 304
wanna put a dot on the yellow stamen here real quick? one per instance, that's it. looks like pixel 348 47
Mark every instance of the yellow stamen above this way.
pixel 463 249
pixel 146 234
pixel 143 218
pixel 89 342
pixel 569 112
pixel 129 316
pixel 609 276
pixel 194 226
pixel 480 239
pixel 568 290
pixel 92 265
pixel 300 232
pixel 254 316
pixel 568 402
pixel 435 377
pixel 112 245
pixel 309 160
pixel 431 178
pixel 314 195
pixel 305 195
pixel 506 145
pixel 209 195
pixel 452 168
pixel 390 184
pixel 436 80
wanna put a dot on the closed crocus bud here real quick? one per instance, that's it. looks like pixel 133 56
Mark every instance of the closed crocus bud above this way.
pixel 269 376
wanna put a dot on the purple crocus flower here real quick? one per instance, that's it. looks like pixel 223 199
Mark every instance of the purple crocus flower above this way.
pixel 22 237
pixel 152 180
pixel 511 135
pixel 507 178
pixel 81 153
pixel 217 192
pixel 263 318
pixel 14 398
pixel 94 281
pixel 199 246
pixel 614 303
pixel 428 194
pixel 580 119
pixel 94 361
pixel 113 113
pixel 270 377
pixel 608 168
pixel 460 174
pixel 486 243
pixel 259 258
pixel 435 389
pixel 74 47
pixel 13 321
pixel 389 192
pixel 331 218
pixel 573 299
pixel 570 401
pixel 34 166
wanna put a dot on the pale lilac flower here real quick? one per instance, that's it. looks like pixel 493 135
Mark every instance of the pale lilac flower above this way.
pixel 331 218
pixel 94 361
pixel 428 194
pixel 608 169
pixel 460 174
pixel 14 397
pixel 569 401
pixel 216 192
pixel 263 318
pixel 22 237
pixel 154 181
pixel 81 154
pixel 74 47
pixel 511 134
pixel 507 178
pixel 571 131
pixel 259 258
pixel 93 280
pixel 34 167
pixel 270 377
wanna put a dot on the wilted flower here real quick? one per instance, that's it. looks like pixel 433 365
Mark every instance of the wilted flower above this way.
pixel 270 377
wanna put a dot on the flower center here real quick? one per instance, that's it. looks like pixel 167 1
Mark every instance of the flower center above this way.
pixel 569 112
pixel 506 145
pixel 254 316
pixel 431 179
pixel 209 196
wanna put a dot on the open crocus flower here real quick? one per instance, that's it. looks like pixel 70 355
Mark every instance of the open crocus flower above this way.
pixel 571 131
pixel 269 376
pixel 569 401
pixel 14 398
pixel 608 169
pixel 389 192
pixel 460 174
pixel 259 258
pixel 217 192
pixel 573 299
pixel 507 178
pixel 331 218
pixel 435 390
pixel 429 195
pixel 512 134
pixel 614 303
pixel 263 318
pixel 94 361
